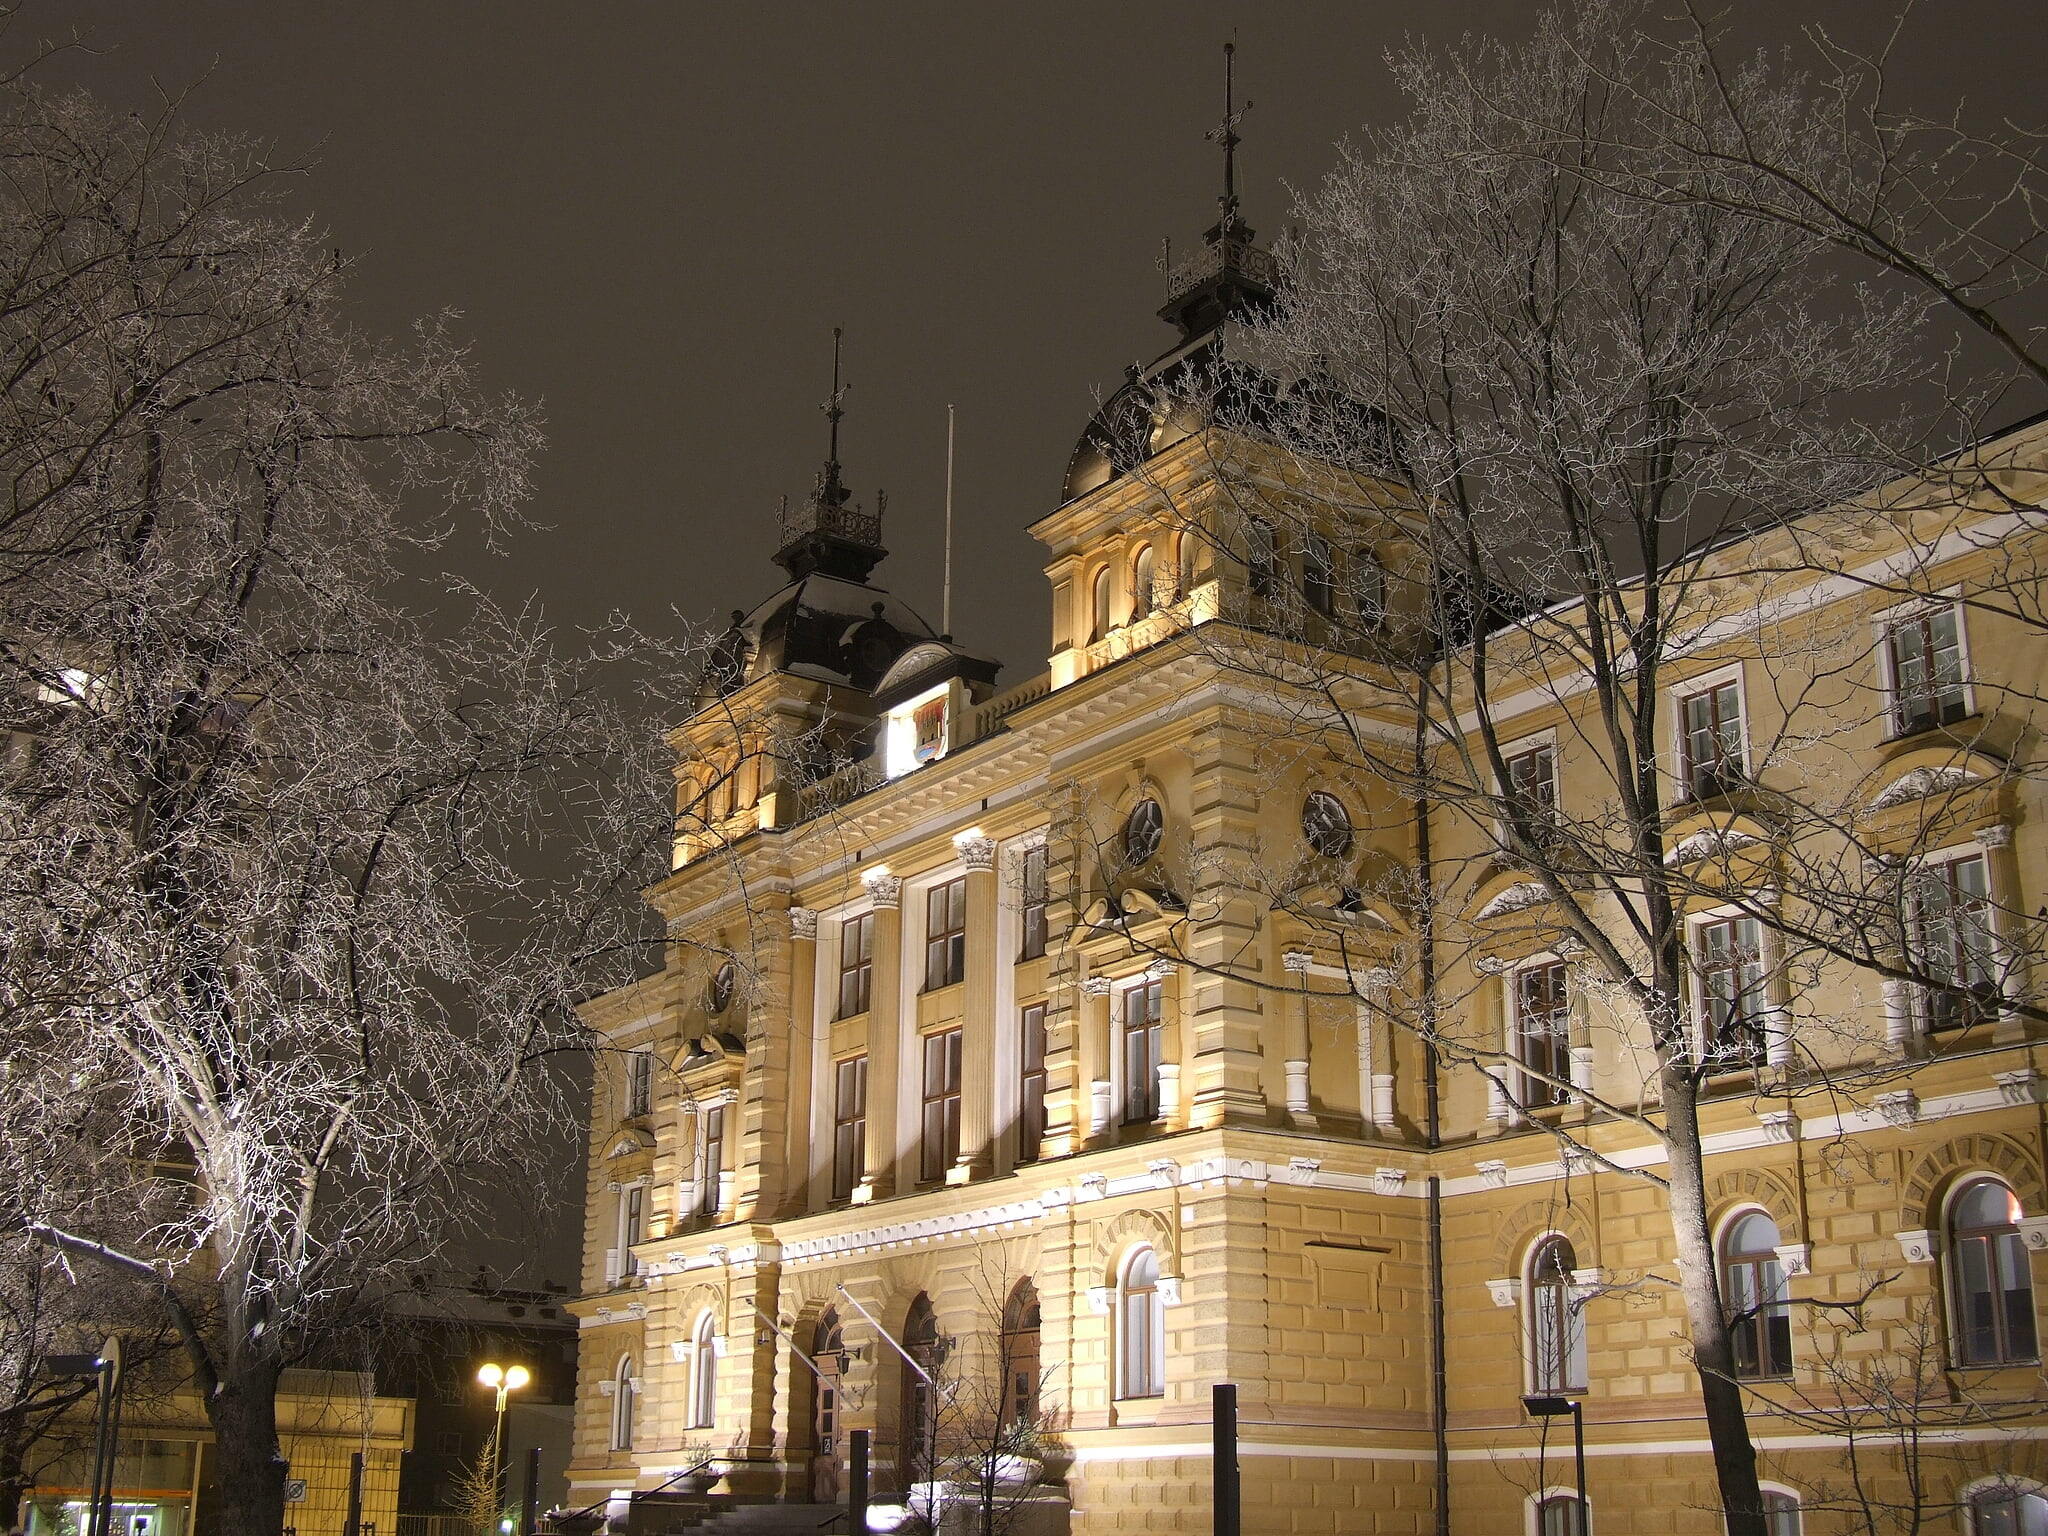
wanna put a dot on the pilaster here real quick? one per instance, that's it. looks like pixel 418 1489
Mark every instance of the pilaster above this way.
pixel 978 1023
pixel 885 1035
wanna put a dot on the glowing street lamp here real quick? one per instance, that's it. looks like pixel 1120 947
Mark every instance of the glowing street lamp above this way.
pixel 504 1380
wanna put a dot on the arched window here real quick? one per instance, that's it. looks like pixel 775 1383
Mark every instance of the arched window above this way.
pixel 919 1423
pixel 1021 1356
pixel 1781 1512
pixel 1988 1277
pixel 1141 1328
pixel 1318 575
pixel 2005 1509
pixel 1143 575
pixel 1099 613
pixel 704 1374
pixel 1557 1322
pixel 1559 1514
pixel 1186 548
pixel 1753 1291
pixel 622 1405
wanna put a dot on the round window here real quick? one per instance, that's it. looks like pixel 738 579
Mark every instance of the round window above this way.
pixel 1326 825
pixel 1142 831
pixel 718 996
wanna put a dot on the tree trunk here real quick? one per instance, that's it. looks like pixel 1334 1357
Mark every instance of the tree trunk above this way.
pixel 14 1477
pixel 248 1463
pixel 1707 1323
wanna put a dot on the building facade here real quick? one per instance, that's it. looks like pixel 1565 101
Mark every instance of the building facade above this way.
pixel 1059 1039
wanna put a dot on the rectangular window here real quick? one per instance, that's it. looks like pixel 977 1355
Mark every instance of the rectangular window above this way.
pixel 1712 732
pixel 1142 1042
pixel 639 1082
pixel 1532 780
pixel 1543 1034
pixel 849 1124
pixel 1262 559
pixel 856 964
pixel 1925 650
pixel 945 934
pixel 1729 959
pixel 1035 896
pixel 714 1160
pixel 1318 576
pixel 1949 910
pixel 941 1104
pixel 632 1226
pixel 1031 1084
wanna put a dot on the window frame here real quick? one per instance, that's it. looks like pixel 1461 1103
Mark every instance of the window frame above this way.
pixel 1535 1094
pixel 1311 829
pixel 1726 772
pixel 1773 1313
pixel 945 949
pixel 1930 1004
pixel 849 1124
pixel 1030 1084
pixel 1262 562
pixel 711 1136
pixel 639 1083
pixel 1975 1501
pixel 1318 575
pixel 1141 1346
pixel 1128 832
pixel 704 1371
pixel 1144 570
pixel 2007 1259
pixel 1149 1054
pixel 1101 594
pixel 1034 889
pixel 861 970
pixel 939 1071
pixel 1713 1039
pixel 1544 1499
pixel 1921 613
pixel 623 1403
pixel 1572 1375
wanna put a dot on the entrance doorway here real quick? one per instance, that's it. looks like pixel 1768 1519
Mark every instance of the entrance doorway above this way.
pixel 828 1354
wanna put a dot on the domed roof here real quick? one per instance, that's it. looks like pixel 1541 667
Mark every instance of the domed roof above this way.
pixel 819 626
pixel 1172 399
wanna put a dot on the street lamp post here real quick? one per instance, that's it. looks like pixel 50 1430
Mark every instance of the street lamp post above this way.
pixel 1548 1407
pixel 504 1380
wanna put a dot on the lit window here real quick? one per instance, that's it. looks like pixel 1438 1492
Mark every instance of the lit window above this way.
pixel 856 964
pixel 1142 1044
pixel 1925 653
pixel 1753 1291
pixel 1543 1033
pixel 1036 893
pixel 704 1375
pixel 1728 955
pixel 945 934
pixel 1031 1084
pixel 1948 906
pixel 1557 1322
pixel 1989 1277
pixel 941 1146
pixel 1712 740
pixel 1326 825
pixel 849 1124
pixel 1099 618
pixel 1141 1328
pixel 2008 1511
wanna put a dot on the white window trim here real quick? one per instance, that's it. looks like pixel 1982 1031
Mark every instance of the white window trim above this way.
pixel 1119 989
pixel 1765 1485
pixel 2006 956
pixel 1510 1015
pixel 620 1438
pixel 703 1359
pixel 2011 1481
pixel 1584 1281
pixel 1881 627
pixel 1509 750
pixel 1769 944
pixel 1120 1342
pixel 1705 682
pixel 1944 1251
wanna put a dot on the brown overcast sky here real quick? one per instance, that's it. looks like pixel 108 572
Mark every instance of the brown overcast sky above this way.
pixel 651 215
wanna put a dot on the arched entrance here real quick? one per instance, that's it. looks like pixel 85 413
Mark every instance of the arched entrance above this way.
pixel 1020 1358
pixel 828 1354
pixel 919 1422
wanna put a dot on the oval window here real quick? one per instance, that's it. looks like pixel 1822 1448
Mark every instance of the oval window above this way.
pixel 1326 825
pixel 718 996
pixel 1143 829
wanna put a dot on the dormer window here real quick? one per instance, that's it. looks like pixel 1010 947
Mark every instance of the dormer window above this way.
pixel 918 731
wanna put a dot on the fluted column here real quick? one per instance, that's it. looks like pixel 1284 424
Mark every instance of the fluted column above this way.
pixel 1898 1016
pixel 978 1024
pixel 1095 1055
pixel 799 1144
pixel 885 1034
pixel 1296 963
pixel 2008 957
pixel 1379 985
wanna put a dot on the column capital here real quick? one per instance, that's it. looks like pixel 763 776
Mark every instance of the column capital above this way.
pixel 883 888
pixel 803 923
pixel 1096 986
pixel 976 848
pixel 1296 962
pixel 1997 835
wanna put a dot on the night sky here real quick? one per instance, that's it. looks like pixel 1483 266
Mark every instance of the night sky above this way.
pixel 652 215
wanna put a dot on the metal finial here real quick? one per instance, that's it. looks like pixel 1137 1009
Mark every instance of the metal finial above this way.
pixel 1225 133
pixel 833 409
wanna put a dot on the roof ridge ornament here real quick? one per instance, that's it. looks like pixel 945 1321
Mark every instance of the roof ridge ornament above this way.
pixel 829 531
pixel 1225 134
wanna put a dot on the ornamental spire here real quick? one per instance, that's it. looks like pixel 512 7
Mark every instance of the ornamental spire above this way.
pixel 1225 134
